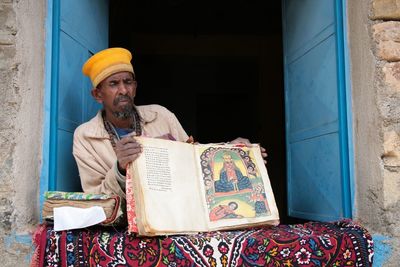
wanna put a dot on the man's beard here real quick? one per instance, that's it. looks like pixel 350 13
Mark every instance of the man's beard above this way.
pixel 127 110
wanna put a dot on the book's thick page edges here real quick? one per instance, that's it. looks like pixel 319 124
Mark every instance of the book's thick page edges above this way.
pixel 135 201
pixel 170 198
pixel 108 205
pixel 130 200
pixel 236 187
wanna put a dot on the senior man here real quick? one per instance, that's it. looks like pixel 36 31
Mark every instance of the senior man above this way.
pixel 104 146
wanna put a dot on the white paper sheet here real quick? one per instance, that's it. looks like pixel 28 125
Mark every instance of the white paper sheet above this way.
pixel 67 218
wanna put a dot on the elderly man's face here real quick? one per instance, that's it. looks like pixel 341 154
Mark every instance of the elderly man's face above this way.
pixel 116 93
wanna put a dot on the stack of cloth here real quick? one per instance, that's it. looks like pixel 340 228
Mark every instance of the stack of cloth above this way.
pixel 341 243
pixel 111 205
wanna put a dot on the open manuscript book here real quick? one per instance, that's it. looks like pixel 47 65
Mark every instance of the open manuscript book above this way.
pixel 175 188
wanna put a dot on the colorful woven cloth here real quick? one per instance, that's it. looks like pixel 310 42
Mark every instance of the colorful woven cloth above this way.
pixel 342 243
pixel 60 195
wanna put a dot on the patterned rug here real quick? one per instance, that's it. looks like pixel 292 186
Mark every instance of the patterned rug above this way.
pixel 342 243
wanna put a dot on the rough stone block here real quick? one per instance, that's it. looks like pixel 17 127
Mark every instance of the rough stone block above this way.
pixel 393 215
pixel 391 77
pixel 386 9
pixel 7 18
pixel 6 209
pixel 391 187
pixel 7 38
pixel 389 108
pixel 7 52
pixel 387 38
pixel 391 147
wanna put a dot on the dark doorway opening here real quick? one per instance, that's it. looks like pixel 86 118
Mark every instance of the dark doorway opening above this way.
pixel 218 65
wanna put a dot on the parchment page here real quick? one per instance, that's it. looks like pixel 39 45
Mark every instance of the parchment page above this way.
pixel 236 187
pixel 168 180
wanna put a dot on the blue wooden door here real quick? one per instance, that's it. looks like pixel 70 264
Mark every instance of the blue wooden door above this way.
pixel 317 150
pixel 82 29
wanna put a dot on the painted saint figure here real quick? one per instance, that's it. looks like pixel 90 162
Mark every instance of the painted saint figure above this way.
pixel 224 212
pixel 231 178
pixel 259 199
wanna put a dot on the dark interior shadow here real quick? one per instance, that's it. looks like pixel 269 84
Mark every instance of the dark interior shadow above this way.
pixel 218 65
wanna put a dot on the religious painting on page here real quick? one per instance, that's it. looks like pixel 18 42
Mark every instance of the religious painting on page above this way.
pixel 234 188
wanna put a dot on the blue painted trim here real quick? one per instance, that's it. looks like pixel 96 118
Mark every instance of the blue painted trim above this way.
pixel 54 95
pixel 44 176
pixel 14 238
pixel 19 239
pixel 383 249
pixel 315 216
pixel 343 125
pixel 344 97
pixel 313 132
pixel 349 108
pixel 310 44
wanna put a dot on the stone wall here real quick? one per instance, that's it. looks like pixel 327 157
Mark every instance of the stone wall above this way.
pixel 374 35
pixel 21 90
pixel 385 33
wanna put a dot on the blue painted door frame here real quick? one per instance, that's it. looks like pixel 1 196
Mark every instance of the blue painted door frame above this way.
pixel 75 30
pixel 51 142
pixel 316 103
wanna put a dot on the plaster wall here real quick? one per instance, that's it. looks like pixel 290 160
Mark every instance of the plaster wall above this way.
pixel 21 88
pixel 376 128
pixel 366 121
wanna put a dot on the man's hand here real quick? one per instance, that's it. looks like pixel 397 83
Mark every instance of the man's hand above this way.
pixel 264 154
pixel 127 150
pixel 190 140
pixel 241 140
pixel 247 142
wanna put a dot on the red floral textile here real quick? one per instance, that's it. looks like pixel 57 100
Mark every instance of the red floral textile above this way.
pixel 342 243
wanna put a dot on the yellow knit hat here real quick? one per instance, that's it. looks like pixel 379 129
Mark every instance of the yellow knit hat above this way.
pixel 107 62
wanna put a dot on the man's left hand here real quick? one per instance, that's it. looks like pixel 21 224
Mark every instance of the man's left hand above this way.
pixel 247 142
